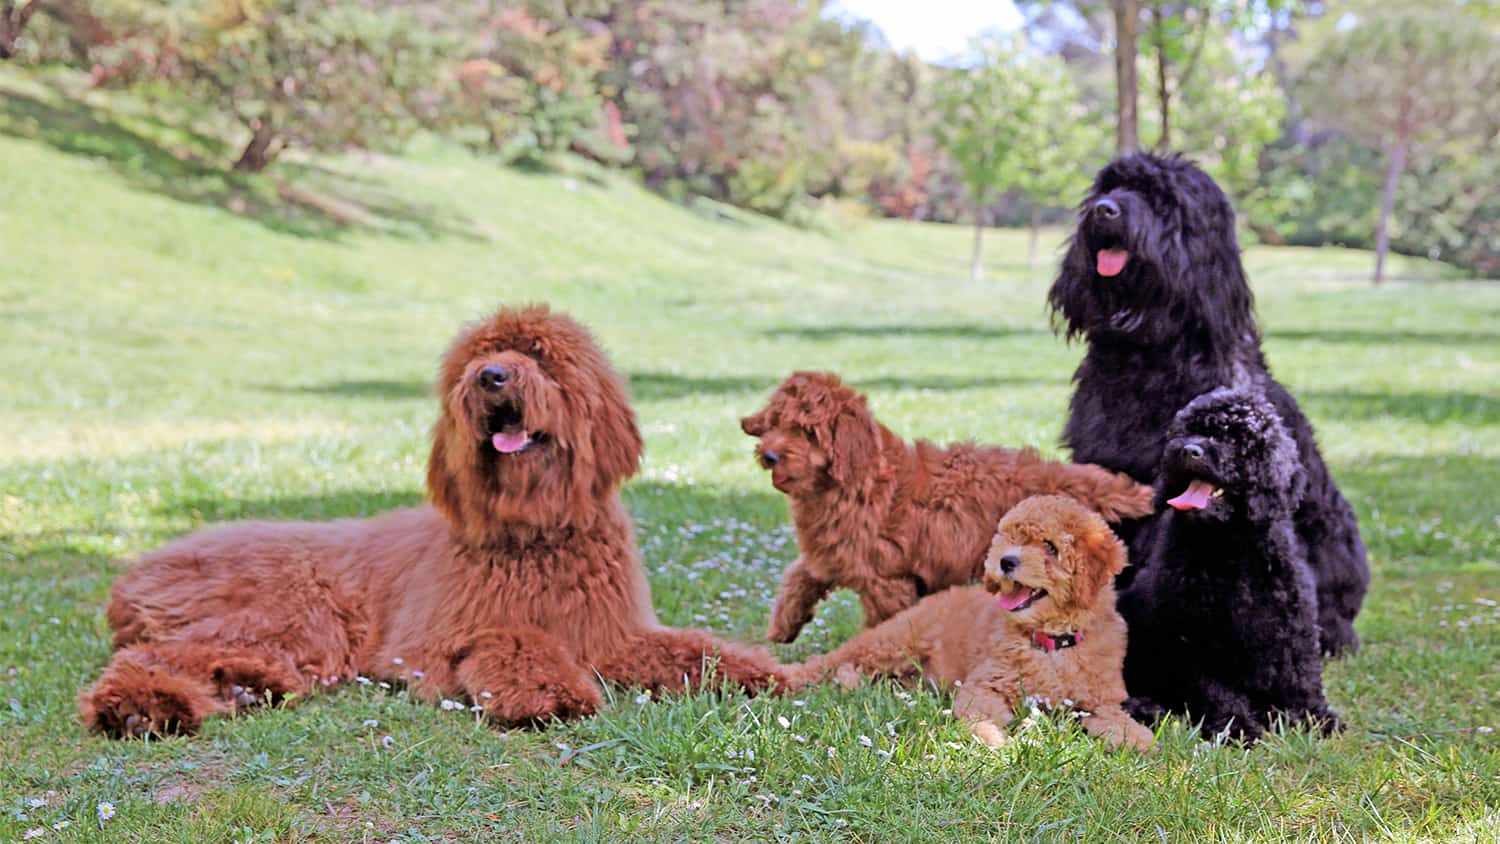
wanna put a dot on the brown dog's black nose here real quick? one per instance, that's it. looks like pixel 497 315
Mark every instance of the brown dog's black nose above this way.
pixel 769 458
pixel 1106 208
pixel 1009 563
pixel 492 378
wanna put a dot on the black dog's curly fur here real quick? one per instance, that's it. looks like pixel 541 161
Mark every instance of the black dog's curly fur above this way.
pixel 1176 322
pixel 1223 612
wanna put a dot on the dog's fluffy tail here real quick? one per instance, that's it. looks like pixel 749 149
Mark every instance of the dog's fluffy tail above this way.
pixel 1115 496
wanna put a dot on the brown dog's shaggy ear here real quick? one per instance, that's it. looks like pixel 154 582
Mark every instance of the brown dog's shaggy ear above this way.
pixel 617 439
pixel 852 443
pixel 756 424
pixel 1101 556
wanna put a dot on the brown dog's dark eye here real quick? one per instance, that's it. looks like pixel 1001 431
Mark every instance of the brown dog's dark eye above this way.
pixel 1051 549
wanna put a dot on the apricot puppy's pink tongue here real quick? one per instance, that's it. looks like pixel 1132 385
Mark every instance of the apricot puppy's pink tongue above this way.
pixel 1111 261
pixel 1010 601
pixel 1195 498
pixel 510 443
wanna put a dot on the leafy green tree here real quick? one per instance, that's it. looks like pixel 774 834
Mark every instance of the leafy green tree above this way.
pixel 981 125
pixel 1405 77
pixel 14 16
pixel 1060 147
pixel 309 73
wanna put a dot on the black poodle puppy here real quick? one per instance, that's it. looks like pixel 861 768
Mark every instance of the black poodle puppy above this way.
pixel 1152 280
pixel 1223 613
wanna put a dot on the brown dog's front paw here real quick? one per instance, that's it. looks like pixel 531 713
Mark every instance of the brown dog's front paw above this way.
pixel 536 706
pixel 784 630
pixel 137 702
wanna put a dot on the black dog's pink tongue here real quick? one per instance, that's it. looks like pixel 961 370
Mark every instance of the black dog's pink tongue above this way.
pixel 510 443
pixel 1111 261
pixel 1196 497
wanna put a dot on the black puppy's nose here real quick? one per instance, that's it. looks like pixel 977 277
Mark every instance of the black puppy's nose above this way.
pixel 1193 451
pixel 769 458
pixel 1106 208
pixel 493 378
pixel 1009 563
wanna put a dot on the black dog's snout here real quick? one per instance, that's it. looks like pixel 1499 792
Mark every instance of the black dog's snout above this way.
pixel 1009 563
pixel 492 378
pixel 1106 208
pixel 769 458
pixel 1192 451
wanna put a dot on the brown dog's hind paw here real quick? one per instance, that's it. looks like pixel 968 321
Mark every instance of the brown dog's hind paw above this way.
pixel 134 702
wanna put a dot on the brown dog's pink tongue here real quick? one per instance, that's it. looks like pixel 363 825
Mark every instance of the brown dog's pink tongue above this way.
pixel 1111 261
pixel 1195 498
pixel 510 443
pixel 1010 602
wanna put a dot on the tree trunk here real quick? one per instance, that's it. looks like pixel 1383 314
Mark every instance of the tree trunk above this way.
pixel 1163 93
pixel 13 19
pixel 1387 201
pixel 258 153
pixel 1036 231
pixel 977 260
pixel 1127 132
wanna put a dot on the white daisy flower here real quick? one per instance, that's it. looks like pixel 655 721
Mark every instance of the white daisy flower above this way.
pixel 643 698
pixel 864 741
pixel 371 722
pixel 785 724
pixel 106 810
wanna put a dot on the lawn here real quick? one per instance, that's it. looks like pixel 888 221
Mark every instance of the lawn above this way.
pixel 182 347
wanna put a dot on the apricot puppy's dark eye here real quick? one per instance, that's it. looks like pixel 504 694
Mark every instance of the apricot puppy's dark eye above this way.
pixel 1051 549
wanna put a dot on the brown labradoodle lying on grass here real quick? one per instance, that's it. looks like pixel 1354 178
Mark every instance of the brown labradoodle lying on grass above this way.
pixel 519 588
pixel 894 521
pixel 1043 626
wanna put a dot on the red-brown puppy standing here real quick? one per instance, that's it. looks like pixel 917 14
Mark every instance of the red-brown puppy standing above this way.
pixel 518 588
pixel 894 521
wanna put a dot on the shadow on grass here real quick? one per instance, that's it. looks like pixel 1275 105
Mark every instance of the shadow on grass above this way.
pixel 962 331
pixel 656 502
pixel 1433 407
pixel 327 206
pixel 656 386
pixel 335 505
pixel 358 388
pixel 1388 338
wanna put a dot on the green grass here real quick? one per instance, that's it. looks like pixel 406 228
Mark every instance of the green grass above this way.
pixel 181 347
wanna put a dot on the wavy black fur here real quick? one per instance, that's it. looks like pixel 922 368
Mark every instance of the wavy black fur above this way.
pixel 1179 321
pixel 1223 614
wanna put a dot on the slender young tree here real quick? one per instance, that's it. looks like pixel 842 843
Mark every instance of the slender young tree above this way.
pixel 1400 78
pixel 982 116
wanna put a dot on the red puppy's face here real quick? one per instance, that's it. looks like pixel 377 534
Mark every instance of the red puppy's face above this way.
pixel 815 434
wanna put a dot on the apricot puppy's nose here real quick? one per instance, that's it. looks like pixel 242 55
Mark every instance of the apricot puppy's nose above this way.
pixel 769 458
pixel 492 378
pixel 1009 563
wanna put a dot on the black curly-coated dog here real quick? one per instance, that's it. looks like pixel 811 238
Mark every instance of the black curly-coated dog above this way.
pixel 1223 612
pixel 1152 280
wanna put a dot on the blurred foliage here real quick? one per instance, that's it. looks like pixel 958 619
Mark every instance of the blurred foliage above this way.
pixel 787 107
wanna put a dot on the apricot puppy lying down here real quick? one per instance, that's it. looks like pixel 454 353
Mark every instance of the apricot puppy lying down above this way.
pixel 1043 625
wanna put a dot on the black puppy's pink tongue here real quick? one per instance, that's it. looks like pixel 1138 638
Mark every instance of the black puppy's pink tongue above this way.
pixel 1195 498
pixel 510 443
pixel 1111 261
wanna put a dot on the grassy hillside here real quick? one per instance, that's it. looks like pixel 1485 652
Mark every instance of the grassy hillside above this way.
pixel 181 346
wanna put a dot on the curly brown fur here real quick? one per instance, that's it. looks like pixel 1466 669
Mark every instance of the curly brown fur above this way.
pixel 1050 569
pixel 1152 280
pixel 518 588
pixel 894 521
